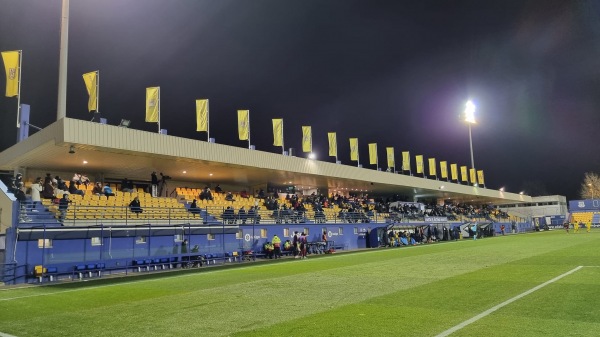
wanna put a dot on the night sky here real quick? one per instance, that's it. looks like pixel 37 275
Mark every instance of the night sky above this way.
pixel 395 73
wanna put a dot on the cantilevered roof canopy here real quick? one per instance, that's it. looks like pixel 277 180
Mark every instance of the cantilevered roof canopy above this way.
pixel 120 152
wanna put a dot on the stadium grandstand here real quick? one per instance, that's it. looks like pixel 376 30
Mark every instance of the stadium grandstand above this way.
pixel 218 203
pixel 278 194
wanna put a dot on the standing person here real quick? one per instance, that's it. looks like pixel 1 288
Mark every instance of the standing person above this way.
pixel 154 186
pixel 303 245
pixel 63 205
pixel 566 226
pixel 277 246
pixel 474 230
pixel 295 245
pixel 36 192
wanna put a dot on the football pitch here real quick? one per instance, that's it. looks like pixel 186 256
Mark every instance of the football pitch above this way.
pixel 537 284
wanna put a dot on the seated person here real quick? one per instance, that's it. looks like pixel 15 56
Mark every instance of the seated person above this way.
pixel 229 215
pixel 97 190
pixel 242 215
pixel 73 189
pixel 108 192
pixel 287 245
pixel 268 249
pixel 134 206
pixel 229 197
pixel 194 208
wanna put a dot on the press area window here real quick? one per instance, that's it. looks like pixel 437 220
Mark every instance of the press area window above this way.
pixel 44 243
pixel 210 236
pixel 141 240
pixel 96 241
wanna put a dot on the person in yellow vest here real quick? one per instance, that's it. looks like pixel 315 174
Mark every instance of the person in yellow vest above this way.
pixel 276 246
pixel 588 226
pixel 575 227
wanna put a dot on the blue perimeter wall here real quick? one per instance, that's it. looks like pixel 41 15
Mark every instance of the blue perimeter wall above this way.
pixel 117 247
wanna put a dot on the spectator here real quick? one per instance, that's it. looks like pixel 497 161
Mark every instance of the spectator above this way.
pixel 108 192
pixel 63 205
pixel 73 189
pixel 135 206
pixel 97 190
pixel 194 207
pixel 36 190
pixel 154 182
pixel 48 190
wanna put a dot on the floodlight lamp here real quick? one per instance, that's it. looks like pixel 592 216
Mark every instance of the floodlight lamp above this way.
pixel 470 112
pixel 125 123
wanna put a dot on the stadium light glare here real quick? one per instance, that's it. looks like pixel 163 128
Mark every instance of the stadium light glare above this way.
pixel 470 119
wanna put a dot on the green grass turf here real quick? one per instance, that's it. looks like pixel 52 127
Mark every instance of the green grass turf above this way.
pixel 409 291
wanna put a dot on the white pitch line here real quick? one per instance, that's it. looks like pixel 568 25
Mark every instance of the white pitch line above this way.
pixel 503 304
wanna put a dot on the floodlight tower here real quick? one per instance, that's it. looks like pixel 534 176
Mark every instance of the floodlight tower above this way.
pixel 470 119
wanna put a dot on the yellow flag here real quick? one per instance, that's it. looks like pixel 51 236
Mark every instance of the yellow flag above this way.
pixel 373 153
pixel 354 149
pixel 444 169
pixel 454 171
pixel 244 124
pixel 202 115
pixel 11 65
pixel 463 174
pixel 91 84
pixel 306 139
pixel 405 161
pixel 419 161
pixel 152 104
pixel 390 157
pixel 332 144
pixel 277 132
pixel 473 176
pixel 480 180
pixel 432 168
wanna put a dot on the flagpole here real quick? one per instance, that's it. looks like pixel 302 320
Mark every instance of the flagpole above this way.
pixel 282 144
pixel 158 109
pixel 19 92
pixel 249 143
pixel 97 91
pixel 207 120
